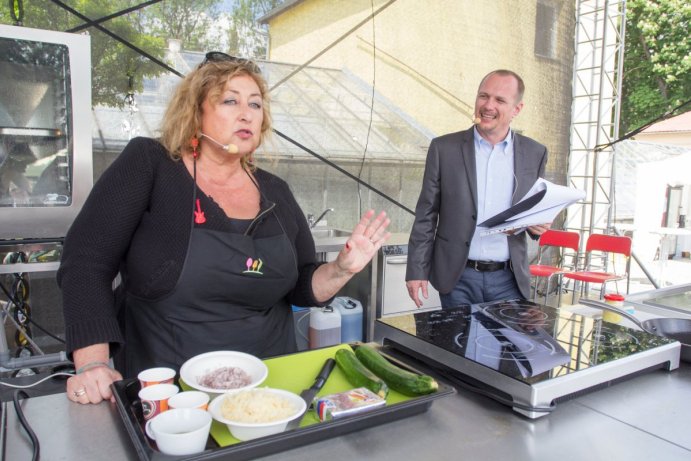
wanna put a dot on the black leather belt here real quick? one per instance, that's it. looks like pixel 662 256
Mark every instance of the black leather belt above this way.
pixel 487 266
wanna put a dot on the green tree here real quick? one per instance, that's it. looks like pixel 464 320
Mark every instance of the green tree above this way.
pixel 112 62
pixel 184 20
pixel 657 62
pixel 116 68
pixel 245 36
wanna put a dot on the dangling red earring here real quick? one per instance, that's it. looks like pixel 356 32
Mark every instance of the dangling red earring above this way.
pixel 194 142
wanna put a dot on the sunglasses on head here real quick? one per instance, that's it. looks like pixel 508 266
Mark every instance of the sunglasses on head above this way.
pixel 218 56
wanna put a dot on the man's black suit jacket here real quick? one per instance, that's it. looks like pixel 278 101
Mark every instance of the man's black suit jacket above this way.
pixel 446 212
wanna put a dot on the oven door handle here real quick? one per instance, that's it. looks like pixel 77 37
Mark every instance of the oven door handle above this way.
pixel 397 260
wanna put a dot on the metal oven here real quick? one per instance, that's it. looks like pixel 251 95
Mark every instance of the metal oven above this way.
pixel 45 175
pixel 45 131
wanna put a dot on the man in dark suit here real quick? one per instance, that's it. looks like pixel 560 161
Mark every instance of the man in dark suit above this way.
pixel 469 177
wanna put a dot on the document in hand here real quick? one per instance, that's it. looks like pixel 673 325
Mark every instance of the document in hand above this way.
pixel 540 205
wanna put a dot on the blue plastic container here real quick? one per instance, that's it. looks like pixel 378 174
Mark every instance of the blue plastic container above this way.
pixel 351 318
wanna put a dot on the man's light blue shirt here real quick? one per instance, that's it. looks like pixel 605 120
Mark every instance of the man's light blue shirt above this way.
pixel 495 188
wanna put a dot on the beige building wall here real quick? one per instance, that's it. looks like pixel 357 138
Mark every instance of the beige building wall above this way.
pixel 431 55
pixel 675 131
pixel 679 138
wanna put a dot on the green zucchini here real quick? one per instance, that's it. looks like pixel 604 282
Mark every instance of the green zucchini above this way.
pixel 358 375
pixel 401 380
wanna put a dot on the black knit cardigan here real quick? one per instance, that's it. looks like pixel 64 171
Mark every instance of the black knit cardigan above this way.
pixel 137 223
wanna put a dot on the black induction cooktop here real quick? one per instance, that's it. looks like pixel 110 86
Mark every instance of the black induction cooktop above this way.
pixel 527 355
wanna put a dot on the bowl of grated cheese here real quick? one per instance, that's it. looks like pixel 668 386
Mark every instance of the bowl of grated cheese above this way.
pixel 219 372
pixel 257 412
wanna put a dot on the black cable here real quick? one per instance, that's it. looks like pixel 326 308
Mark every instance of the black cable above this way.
pixel 117 37
pixel 333 165
pixel 464 106
pixel 57 338
pixel 25 423
pixel 371 106
pixel 311 152
pixel 632 133
pixel 287 138
pixel 334 43
pixel 112 16
pixel 14 302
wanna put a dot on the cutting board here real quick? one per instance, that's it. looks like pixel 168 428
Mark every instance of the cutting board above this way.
pixel 295 373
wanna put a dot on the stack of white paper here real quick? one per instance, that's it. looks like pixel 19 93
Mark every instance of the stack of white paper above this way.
pixel 540 205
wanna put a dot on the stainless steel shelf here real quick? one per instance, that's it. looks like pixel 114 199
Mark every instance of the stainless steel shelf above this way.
pixel 31 132
pixel 29 267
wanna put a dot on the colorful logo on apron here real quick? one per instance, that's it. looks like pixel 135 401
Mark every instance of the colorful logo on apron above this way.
pixel 254 266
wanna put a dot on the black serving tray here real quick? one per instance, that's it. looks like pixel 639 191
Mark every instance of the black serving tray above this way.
pixel 129 408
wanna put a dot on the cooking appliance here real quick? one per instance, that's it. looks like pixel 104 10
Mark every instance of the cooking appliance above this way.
pixel 526 355
pixel 45 131
pixel 311 392
pixel 676 329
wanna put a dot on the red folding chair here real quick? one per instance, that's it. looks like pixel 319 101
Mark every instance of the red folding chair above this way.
pixel 605 245
pixel 561 240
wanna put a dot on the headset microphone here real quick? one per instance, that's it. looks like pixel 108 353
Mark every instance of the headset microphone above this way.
pixel 230 148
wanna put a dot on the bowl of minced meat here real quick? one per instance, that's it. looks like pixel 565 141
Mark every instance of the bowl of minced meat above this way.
pixel 257 412
pixel 220 372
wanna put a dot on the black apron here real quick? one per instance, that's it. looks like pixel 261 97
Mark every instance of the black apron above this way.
pixel 230 296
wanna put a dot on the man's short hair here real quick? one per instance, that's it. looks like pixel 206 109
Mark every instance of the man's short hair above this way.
pixel 508 73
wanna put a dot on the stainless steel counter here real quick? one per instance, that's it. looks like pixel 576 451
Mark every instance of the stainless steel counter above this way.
pixel 643 418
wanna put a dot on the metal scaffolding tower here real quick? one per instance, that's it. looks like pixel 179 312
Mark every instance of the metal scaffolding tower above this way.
pixel 597 76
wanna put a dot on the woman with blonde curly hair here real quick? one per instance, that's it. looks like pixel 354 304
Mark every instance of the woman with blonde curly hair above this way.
pixel 211 251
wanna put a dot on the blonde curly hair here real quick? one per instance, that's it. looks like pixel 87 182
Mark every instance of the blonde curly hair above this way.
pixel 183 117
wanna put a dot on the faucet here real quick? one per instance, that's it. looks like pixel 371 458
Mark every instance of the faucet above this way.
pixel 313 222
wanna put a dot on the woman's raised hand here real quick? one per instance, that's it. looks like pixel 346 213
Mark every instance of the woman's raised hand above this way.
pixel 368 236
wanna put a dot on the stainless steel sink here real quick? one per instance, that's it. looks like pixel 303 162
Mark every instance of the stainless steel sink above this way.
pixel 328 242
pixel 322 233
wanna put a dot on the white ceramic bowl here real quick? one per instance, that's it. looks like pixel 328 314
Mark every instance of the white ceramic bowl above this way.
pixel 249 431
pixel 199 365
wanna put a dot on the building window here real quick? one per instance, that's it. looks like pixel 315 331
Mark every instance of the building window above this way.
pixel 545 30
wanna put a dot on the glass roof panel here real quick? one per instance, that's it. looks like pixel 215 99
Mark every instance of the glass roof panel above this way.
pixel 327 110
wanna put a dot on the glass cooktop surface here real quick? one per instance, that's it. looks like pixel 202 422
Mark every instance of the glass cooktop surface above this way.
pixel 526 341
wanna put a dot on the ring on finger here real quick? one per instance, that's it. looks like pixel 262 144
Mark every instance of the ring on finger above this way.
pixel 79 393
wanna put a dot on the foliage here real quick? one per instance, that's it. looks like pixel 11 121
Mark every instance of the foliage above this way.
pixel 116 68
pixel 657 62
pixel 185 21
pixel 245 37
pixel 112 62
